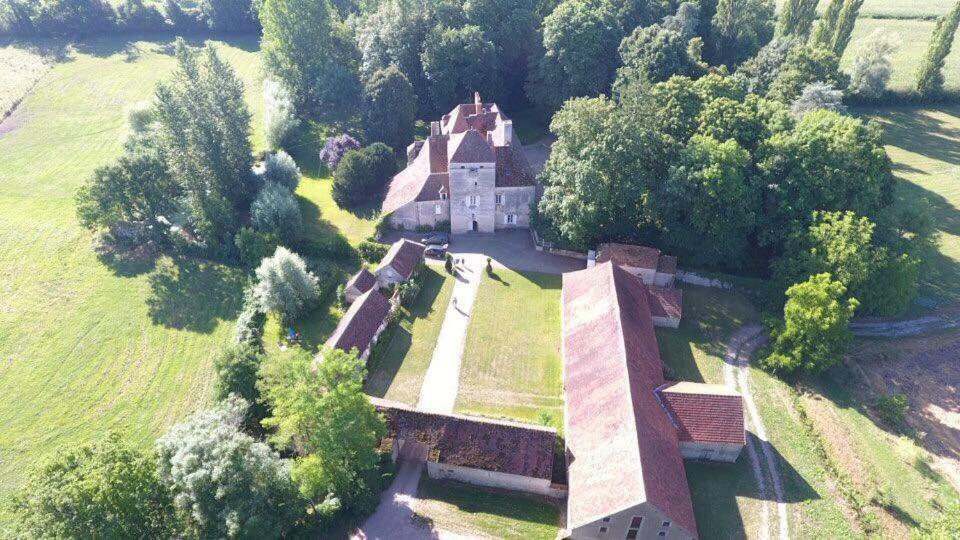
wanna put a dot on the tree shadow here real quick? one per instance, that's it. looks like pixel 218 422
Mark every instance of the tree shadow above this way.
pixel 194 295
pixel 127 265
pixel 914 130
pixel 323 239
pixel 316 326
pixel 492 274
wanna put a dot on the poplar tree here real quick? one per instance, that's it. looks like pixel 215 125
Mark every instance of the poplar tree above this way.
pixel 844 27
pixel 823 36
pixel 796 18
pixel 930 73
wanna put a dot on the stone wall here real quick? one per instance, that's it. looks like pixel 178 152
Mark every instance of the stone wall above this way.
pixel 477 181
pixel 722 452
pixel 515 201
pixel 492 479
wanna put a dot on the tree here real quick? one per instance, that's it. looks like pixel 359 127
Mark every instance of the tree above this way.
pixel 805 65
pixel 709 180
pixel 827 27
pixel 284 286
pixel 335 148
pixel 389 108
pixel 796 18
pixel 601 167
pixel 236 368
pixel 456 63
pixel 930 72
pixel 135 15
pixel 655 54
pixel 846 20
pixel 815 331
pixel 103 490
pixel 872 65
pixel 137 189
pixel 739 29
pixel 827 162
pixel 685 21
pixel 512 26
pixel 228 15
pixel 279 114
pixel 320 411
pixel 362 174
pixel 757 74
pixel 280 168
pixel 276 211
pixel 311 51
pixel 817 96
pixel 203 129
pixel 580 39
pixel 74 18
pixel 225 483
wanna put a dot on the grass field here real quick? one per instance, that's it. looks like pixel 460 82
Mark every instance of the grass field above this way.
pixel 21 68
pixel 902 9
pixel 86 347
pixel 478 513
pixel 511 364
pixel 399 362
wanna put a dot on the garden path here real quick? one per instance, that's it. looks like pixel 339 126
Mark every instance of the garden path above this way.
pixel 442 381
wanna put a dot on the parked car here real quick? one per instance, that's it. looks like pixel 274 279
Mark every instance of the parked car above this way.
pixel 436 251
pixel 438 238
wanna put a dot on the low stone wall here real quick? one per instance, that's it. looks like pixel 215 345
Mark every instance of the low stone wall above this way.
pixel 493 479
pixel 693 278
pixel 719 452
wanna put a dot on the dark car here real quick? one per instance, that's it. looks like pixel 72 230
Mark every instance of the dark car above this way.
pixel 436 239
pixel 436 251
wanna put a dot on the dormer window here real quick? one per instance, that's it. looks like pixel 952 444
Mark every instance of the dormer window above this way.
pixel 472 172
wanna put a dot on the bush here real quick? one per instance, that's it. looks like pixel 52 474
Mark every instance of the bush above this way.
pixel 335 148
pixel 254 245
pixel 236 370
pixel 279 115
pixel 893 408
pixel 872 66
pixel 134 15
pixel 280 168
pixel 276 210
pixel 409 290
pixel 284 285
pixel 249 327
pixel 372 252
pixel 448 263
pixel 362 174
pixel 389 108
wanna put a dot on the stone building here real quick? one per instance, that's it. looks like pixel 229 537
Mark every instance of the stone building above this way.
pixel 470 172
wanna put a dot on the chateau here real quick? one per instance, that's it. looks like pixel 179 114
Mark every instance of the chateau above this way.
pixel 470 172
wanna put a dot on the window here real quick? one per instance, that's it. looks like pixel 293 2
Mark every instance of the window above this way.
pixel 473 200
pixel 606 520
pixel 603 530
pixel 438 209
pixel 665 524
pixel 472 173
pixel 499 198
pixel 662 533
pixel 511 219
pixel 636 522
pixel 631 534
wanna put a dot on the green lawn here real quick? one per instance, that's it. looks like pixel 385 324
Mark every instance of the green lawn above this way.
pixel 322 214
pixel 903 9
pixel 481 513
pixel 399 362
pixel 511 364
pixel 21 68
pixel 86 347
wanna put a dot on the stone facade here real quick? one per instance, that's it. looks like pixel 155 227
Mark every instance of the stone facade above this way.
pixel 645 519
pixel 494 479
pixel 472 197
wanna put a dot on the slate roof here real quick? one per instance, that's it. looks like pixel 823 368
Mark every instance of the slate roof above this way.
pixel 471 147
pixel 629 255
pixel 362 281
pixel 710 413
pixel 513 169
pixel 360 323
pixel 464 117
pixel 470 441
pixel 404 256
pixel 667 264
pixel 622 448
pixel 666 302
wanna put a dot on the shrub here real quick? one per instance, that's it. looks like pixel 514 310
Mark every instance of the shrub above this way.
pixel 342 296
pixel 279 115
pixel 284 286
pixel 448 263
pixel 817 96
pixel 280 168
pixel 872 66
pixel 254 245
pixel 276 210
pixel 335 148
pixel 409 290
pixel 236 373
pixel 249 326
pixel 134 15
pixel 372 252
pixel 489 266
pixel 362 174
pixel 893 408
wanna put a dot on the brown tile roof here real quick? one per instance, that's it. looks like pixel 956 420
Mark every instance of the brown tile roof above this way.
pixel 667 264
pixel 512 167
pixel 464 117
pixel 469 441
pixel 666 302
pixel 629 255
pixel 360 323
pixel 623 448
pixel 421 180
pixel 705 412
pixel 471 147
pixel 363 281
pixel 404 256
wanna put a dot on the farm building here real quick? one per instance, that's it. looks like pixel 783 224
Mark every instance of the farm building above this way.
pixel 471 172
pixel 647 263
pixel 401 263
pixel 625 426
pixel 474 450
pixel 358 284
pixel 362 324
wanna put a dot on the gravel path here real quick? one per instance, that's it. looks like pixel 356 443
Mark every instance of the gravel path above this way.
pixel 912 327
pixel 442 381
pixel 736 374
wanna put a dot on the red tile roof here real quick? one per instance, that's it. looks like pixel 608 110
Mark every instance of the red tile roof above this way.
pixel 666 302
pixel 421 180
pixel 513 170
pixel 708 413
pixel 470 441
pixel 464 117
pixel 363 281
pixel 629 255
pixel 360 323
pixel 404 256
pixel 622 447
pixel 471 147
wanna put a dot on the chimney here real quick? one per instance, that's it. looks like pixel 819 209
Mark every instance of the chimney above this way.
pixel 478 102
pixel 434 129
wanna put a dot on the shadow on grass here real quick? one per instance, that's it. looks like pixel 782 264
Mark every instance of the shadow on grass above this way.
pixel 193 295
pixel 496 277
pixel 389 353
pixel 127 266
pixel 316 327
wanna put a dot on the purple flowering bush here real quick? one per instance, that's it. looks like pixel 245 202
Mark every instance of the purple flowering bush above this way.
pixel 335 148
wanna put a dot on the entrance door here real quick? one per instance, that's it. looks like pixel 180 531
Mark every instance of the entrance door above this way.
pixel 476 226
